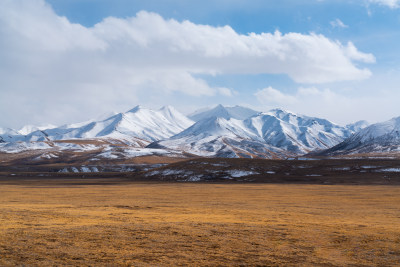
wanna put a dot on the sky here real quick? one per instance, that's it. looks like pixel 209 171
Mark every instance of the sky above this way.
pixel 65 61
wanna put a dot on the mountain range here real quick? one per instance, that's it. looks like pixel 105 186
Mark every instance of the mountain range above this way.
pixel 216 132
pixel 137 127
pixel 375 139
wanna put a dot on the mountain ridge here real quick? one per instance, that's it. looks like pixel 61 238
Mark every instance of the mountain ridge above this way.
pixel 218 132
pixel 376 138
pixel 278 130
pixel 236 112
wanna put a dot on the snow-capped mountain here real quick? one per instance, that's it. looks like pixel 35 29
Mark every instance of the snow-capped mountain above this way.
pixel 221 137
pixel 221 131
pixel 275 131
pixel 27 129
pixel 236 112
pixel 138 126
pixel 376 138
pixel 296 133
pixel 6 134
pixel 357 126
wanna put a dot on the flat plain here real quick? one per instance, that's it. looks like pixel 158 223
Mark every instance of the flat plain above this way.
pixel 115 222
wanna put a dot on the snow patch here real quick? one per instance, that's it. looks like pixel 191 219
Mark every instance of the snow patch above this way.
pixel 194 178
pixel 389 170
pixel 368 167
pixel 240 173
pixel 341 169
pixel 18 147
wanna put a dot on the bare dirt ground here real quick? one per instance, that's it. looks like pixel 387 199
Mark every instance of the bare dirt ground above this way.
pixel 115 222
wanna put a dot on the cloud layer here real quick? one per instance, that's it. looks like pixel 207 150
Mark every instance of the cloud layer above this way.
pixel 333 105
pixel 49 62
pixel 337 23
pixel 389 3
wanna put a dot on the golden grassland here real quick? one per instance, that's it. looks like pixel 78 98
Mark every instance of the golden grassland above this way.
pixel 147 224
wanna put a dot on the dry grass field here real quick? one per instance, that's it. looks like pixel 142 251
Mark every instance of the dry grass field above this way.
pixel 156 224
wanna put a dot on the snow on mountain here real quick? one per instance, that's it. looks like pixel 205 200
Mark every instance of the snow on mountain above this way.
pixel 7 134
pixel 88 150
pixel 5 131
pixel 296 133
pixel 177 118
pixel 221 131
pixel 138 126
pixel 275 131
pixel 220 137
pixel 217 126
pixel 236 112
pixel 241 113
pixel 17 147
pixel 376 138
pixel 27 129
pixel 357 126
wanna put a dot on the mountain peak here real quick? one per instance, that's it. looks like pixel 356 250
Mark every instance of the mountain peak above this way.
pixel 357 126
pixel 168 109
pixel 378 138
pixel 217 111
pixel 281 112
pixel 222 110
pixel 236 112
pixel 135 109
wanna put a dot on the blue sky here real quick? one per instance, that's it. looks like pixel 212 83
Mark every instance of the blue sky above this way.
pixel 70 60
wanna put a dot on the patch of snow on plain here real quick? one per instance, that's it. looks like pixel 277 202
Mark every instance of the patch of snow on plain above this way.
pixel 213 164
pixel 303 167
pixel 389 170
pixel 153 173
pixel 76 147
pixel 177 172
pixel 138 152
pixel 194 178
pixel 307 159
pixel 85 169
pixel 341 169
pixel 239 173
pixel 49 156
pixel 65 170
pixel 108 155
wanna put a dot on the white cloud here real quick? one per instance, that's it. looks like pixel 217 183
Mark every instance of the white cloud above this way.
pixel 352 52
pixel 338 107
pixel 272 95
pixel 226 91
pixel 337 23
pixel 49 63
pixel 390 3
